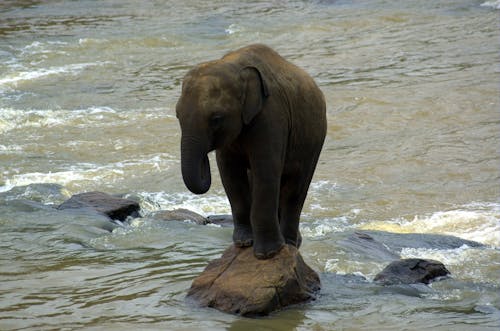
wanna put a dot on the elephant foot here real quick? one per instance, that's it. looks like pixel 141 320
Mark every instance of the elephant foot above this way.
pixel 242 236
pixel 267 250
pixel 295 242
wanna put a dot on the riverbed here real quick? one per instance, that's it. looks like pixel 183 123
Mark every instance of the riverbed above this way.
pixel 87 103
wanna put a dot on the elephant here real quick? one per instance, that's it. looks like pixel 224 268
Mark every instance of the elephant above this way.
pixel 266 120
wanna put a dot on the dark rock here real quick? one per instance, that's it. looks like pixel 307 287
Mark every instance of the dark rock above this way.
pixel 381 246
pixel 222 220
pixel 365 245
pixel 397 241
pixel 411 271
pixel 179 215
pixel 113 207
pixel 239 283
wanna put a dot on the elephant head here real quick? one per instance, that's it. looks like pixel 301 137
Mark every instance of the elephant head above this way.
pixel 216 102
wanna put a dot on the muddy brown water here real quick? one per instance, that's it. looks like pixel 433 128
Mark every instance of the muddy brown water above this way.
pixel 87 97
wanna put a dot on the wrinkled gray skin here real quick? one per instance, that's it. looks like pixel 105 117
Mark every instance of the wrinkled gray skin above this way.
pixel 266 119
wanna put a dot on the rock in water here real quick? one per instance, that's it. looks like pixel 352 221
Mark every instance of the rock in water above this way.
pixel 224 221
pixel 179 215
pixel 239 283
pixel 411 271
pixel 113 207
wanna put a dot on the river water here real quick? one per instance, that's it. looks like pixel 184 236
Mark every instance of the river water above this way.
pixel 87 98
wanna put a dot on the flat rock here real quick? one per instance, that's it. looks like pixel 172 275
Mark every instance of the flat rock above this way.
pixel 365 245
pixel 241 284
pixel 411 271
pixel 396 242
pixel 113 207
pixel 179 215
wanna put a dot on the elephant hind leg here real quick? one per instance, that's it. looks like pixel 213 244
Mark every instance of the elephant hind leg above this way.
pixel 293 193
pixel 292 196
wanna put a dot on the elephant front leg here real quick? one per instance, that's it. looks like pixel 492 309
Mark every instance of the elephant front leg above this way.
pixel 268 240
pixel 236 184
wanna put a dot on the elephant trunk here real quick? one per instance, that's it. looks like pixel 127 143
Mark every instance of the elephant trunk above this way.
pixel 195 165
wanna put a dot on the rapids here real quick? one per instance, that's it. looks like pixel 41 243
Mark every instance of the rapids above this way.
pixel 87 102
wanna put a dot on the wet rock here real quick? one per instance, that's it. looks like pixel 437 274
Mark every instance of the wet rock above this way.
pixel 224 221
pixel 113 207
pixel 411 271
pixel 397 241
pixel 179 215
pixel 365 245
pixel 239 283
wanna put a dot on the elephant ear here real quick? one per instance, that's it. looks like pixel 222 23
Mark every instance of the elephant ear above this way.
pixel 254 93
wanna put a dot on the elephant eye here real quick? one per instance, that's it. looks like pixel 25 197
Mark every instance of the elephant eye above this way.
pixel 216 120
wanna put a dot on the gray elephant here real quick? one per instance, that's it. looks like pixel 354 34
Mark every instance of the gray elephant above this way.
pixel 266 119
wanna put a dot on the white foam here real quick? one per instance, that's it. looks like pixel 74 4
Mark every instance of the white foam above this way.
pixel 319 192
pixel 234 28
pixel 476 221
pixel 87 41
pixel 201 204
pixel 323 186
pixel 491 4
pixel 5 125
pixel 456 256
pixel 11 119
pixel 38 47
pixel 14 118
pixel 481 226
pixel 469 263
pixel 4 149
pixel 341 266
pixel 14 79
pixel 82 174
pixel 62 177
pixel 321 228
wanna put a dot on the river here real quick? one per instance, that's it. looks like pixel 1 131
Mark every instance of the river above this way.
pixel 87 102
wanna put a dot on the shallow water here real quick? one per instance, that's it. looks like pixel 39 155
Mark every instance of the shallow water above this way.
pixel 87 97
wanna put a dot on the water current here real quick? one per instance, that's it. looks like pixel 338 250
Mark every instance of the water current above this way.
pixel 87 102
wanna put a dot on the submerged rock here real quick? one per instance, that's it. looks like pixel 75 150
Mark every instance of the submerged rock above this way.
pixel 179 215
pixel 411 271
pixel 113 207
pixel 365 245
pixel 222 220
pixel 43 193
pixel 24 205
pixel 239 283
pixel 182 214
pixel 396 242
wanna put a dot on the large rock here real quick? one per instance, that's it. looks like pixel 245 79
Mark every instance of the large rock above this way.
pixel 239 283
pixel 113 207
pixel 411 271
pixel 396 242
